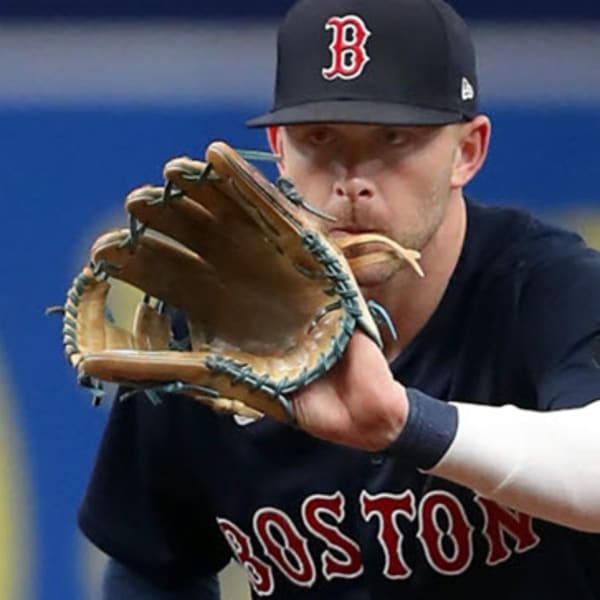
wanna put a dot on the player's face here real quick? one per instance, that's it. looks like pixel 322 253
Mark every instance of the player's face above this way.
pixel 396 181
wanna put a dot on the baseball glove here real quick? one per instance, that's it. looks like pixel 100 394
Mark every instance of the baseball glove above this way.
pixel 270 301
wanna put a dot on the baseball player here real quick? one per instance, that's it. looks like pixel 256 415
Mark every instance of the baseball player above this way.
pixel 463 459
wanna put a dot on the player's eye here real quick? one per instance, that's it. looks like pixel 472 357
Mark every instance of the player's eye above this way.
pixel 395 137
pixel 320 136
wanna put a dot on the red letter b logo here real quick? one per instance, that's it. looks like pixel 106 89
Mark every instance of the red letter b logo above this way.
pixel 349 56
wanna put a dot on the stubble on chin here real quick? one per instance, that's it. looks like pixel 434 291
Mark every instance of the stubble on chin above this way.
pixel 375 276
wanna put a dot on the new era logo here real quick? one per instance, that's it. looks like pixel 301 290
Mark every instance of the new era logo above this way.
pixel 467 90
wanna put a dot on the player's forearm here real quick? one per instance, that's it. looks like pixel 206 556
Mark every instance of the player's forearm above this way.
pixel 545 464
pixel 122 582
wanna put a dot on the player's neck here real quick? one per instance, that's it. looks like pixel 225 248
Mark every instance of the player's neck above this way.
pixel 411 300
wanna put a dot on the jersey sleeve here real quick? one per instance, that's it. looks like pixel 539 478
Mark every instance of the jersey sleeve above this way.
pixel 559 321
pixel 139 508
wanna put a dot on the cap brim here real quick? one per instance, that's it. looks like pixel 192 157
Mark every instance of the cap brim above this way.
pixel 356 111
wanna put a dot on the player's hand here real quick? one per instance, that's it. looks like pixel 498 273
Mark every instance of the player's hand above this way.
pixel 358 403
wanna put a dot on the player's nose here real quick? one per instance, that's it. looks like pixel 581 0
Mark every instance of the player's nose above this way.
pixel 355 189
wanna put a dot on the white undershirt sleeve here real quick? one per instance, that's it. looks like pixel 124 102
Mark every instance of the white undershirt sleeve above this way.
pixel 545 464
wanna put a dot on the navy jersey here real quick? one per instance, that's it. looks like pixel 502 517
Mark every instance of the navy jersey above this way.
pixel 177 489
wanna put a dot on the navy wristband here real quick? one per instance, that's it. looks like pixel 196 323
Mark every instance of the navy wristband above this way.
pixel 428 433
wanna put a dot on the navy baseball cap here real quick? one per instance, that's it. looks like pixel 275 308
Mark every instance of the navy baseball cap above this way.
pixel 396 62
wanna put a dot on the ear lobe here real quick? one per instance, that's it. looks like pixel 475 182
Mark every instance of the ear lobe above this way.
pixel 472 151
pixel 274 138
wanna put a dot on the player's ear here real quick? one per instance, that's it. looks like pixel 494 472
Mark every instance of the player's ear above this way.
pixel 274 135
pixel 473 143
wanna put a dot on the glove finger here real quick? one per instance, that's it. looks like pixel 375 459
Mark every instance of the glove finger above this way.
pixel 247 191
pixel 173 371
pixel 226 237
pixel 157 266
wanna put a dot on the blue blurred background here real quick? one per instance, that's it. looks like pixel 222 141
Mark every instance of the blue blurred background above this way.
pixel 95 96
